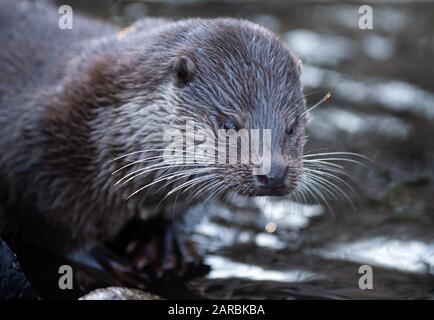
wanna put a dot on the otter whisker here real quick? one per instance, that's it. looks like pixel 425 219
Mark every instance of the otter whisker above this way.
pixel 320 184
pixel 207 185
pixel 336 153
pixel 217 192
pixel 310 152
pixel 311 93
pixel 194 181
pixel 212 186
pixel 142 151
pixel 136 152
pixel 182 175
pixel 178 192
pixel 330 186
pixel 328 156
pixel 132 175
pixel 183 154
pixel 324 168
pixel 328 95
pixel 304 184
pixel 214 189
pixel 188 183
pixel 328 167
pixel 173 158
pixel 205 180
pixel 331 176
pixel 136 162
pixel 300 188
pixel 234 193
pixel 188 173
pixel 186 177
pixel 341 159
pixel 315 190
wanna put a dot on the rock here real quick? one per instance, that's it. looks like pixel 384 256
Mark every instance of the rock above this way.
pixel 13 282
pixel 119 293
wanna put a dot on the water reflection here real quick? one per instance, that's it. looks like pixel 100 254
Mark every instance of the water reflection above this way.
pixel 287 213
pixel 326 124
pixel 224 268
pixel 406 255
pixel 377 47
pixel 320 48
pixel 390 94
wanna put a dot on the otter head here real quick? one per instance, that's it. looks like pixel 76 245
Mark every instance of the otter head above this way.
pixel 236 76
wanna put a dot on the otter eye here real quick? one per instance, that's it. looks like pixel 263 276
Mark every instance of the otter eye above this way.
pixel 290 131
pixel 230 125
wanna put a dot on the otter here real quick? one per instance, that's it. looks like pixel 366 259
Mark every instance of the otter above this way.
pixel 78 105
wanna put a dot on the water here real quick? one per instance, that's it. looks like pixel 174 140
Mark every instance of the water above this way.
pixel 382 106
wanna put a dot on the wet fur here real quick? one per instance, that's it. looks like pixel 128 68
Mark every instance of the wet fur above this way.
pixel 72 100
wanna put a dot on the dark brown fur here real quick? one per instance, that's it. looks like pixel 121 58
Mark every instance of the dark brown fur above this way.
pixel 72 100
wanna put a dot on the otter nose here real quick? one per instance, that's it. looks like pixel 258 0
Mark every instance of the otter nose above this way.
pixel 277 178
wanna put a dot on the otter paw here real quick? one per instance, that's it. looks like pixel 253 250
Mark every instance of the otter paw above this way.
pixel 162 250
pixel 99 267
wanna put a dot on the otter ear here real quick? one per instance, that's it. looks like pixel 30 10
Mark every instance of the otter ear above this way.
pixel 299 65
pixel 184 69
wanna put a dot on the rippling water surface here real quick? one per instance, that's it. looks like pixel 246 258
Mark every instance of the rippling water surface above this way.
pixel 382 106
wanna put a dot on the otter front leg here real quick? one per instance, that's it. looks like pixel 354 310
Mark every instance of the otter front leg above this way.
pixel 160 248
pixel 97 266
